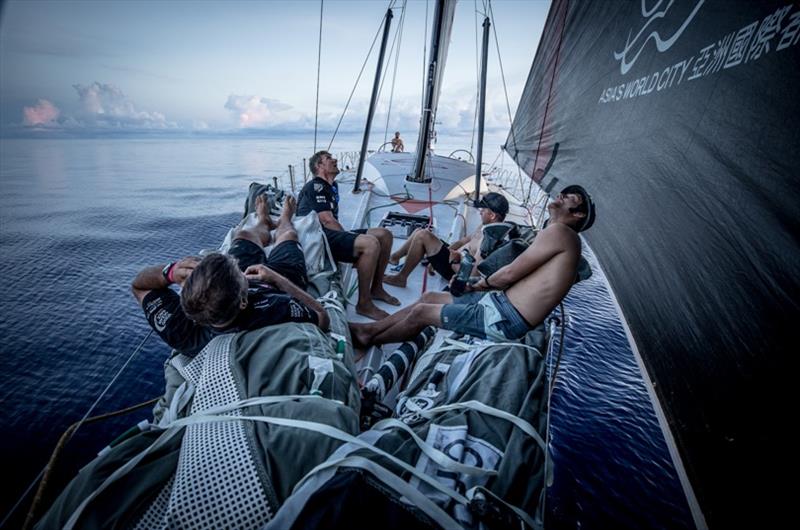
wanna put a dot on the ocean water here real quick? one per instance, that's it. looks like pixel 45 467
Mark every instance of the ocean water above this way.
pixel 78 220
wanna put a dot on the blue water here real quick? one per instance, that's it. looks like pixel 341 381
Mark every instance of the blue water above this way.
pixel 79 218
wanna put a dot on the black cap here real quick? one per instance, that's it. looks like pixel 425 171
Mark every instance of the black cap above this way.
pixel 587 221
pixel 495 202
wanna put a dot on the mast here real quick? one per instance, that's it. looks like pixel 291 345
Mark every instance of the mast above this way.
pixel 481 109
pixel 373 100
pixel 440 34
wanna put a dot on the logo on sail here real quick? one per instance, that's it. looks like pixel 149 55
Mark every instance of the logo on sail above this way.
pixel 634 47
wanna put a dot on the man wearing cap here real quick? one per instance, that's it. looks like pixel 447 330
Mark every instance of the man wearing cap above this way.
pixel 510 302
pixel 442 257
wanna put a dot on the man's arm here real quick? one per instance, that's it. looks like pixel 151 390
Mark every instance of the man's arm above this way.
pixel 329 221
pixel 265 274
pixel 551 241
pixel 153 278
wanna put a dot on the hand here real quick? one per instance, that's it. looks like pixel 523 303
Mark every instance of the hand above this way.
pixel 260 273
pixel 183 269
pixel 455 257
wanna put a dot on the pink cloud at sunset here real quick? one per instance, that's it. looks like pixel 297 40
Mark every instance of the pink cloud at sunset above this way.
pixel 43 113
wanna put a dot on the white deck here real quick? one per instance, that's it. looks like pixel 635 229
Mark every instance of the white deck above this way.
pixel 383 177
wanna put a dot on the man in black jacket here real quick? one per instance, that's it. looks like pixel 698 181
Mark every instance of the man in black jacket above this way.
pixel 368 249
pixel 226 293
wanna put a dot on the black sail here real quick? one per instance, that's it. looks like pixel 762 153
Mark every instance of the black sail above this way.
pixel 681 119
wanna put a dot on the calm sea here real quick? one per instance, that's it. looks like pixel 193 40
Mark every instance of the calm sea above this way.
pixel 79 218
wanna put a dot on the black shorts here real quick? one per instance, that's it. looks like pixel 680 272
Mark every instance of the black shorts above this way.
pixel 286 259
pixel 343 243
pixel 441 262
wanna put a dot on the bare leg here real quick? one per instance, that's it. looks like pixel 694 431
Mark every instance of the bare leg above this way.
pixel 397 255
pixel 363 333
pixel 285 230
pixel 425 244
pixel 376 289
pixel 367 249
pixel 258 234
pixel 403 325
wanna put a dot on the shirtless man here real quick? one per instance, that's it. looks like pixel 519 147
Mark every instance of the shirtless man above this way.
pixel 442 257
pixel 520 295
pixel 397 143
pixel 368 249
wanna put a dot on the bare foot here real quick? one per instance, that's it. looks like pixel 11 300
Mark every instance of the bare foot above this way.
pixel 360 336
pixel 383 296
pixel 371 311
pixel 262 212
pixel 394 279
pixel 289 206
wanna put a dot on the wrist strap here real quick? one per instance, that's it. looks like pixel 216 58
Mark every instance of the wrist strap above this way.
pixel 167 271
pixel 486 279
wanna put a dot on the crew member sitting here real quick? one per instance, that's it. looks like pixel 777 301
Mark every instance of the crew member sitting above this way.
pixel 442 257
pixel 397 143
pixel 369 249
pixel 520 295
pixel 240 291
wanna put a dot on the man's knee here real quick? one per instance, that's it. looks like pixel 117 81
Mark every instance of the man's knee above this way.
pixel 383 235
pixel 417 314
pixel 428 297
pixel 287 235
pixel 367 244
pixel 247 235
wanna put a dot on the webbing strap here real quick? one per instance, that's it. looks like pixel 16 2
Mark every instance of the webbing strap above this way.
pixel 523 425
pixel 442 459
pixel 417 498
pixel 522 515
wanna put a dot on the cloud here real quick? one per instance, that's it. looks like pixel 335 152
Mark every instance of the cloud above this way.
pixel 105 105
pixel 258 112
pixel 44 113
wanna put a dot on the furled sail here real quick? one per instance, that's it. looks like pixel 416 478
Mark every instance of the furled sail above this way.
pixel 681 118
pixel 440 42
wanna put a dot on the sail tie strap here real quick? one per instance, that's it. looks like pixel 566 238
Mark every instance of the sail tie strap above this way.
pixel 402 487
pixel 477 406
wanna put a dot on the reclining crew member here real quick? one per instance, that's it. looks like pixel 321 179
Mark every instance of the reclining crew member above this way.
pixel 240 291
pixel 521 294
pixel 369 249
pixel 441 256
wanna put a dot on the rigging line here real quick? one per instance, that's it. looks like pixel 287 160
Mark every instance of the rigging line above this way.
pixel 549 96
pixel 395 40
pixel 319 64
pixel 478 89
pixel 54 456
pixel 424 55
pixel 505 88
pixel 394 74
pixel 81 422
pixel 346 105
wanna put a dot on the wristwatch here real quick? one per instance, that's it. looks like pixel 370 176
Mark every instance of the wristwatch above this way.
pixel 167 269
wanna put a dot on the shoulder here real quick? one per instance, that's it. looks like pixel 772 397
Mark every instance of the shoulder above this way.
pixel 559 234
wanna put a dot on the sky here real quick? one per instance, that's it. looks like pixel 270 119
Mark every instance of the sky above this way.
pixel 248 67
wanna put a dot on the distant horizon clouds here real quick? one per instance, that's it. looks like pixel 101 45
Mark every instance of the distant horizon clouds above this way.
pixel 236 67
pixel 43 113
pixel 255 111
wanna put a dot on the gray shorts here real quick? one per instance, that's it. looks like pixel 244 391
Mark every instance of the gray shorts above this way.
pixel 484 315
